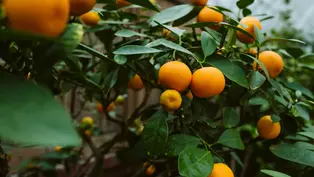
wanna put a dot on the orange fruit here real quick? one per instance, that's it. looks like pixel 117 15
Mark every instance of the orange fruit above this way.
pixel 80 7
pixel 136 83
pixel 58 148
pixel 47 18
pixel 209 15
pixel 175 75
pixel 221 170
pixel 122 3
pixel 88 120
pixel 252 51
pixel 88 133
pixel 272 62
pixel 207 82
pixel 267 129
pixel 90 18
pixel 100 107
pixel 110 107
pixel 248 26
pixel 150 170
pixel 170 100
pixel 199 2
pixel 189 95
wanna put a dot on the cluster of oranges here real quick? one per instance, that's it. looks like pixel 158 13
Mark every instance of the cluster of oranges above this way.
pixel 177 77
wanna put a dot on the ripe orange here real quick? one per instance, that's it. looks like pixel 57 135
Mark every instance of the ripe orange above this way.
pixel 251 51
pixel 207 82
pixel 80 7
pixel 249 23
pixel 272 62
pixel 221 170
pixel 100 107
pixel 122 3
pixel 170 100
pixel 58 148
pixel 136 83
pixel 267 129
pixel 88 120
pixel 209 15
pixel 150 170
pixel 48 18
pixel 110 107
pixel 90 18
pixel 175 75
pixel 189 95
pixel 199 2
pixel 88 133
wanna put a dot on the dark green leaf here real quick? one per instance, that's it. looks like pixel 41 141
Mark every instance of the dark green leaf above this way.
pixel 231 70
pixel 214 34
pixel 194 162
pixel 155 134
pixel 282 40
pixel 179 32
pixel 144 3
pixel 177 143
pixel 41 119
pixel 111 80
pixel 244 3
pixel 274 173
pixel 296 86
pixel 56 155
pixel 307 134
pixel 231 138
pixel 307 61
pixel 135 49
pixel 259 101
pixel 128 33
pixel 170 45
pixel 171 14
pixel 246 12
pixel 294 154
pixel 299 110
pixel 208 44
pixel 237 158
pixel 120 59
pixel 275 118
pixel 256 80
pixel 304 145
pixel 230 117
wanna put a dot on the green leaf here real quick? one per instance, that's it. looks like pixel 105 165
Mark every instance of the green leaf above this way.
pixel 177 143
pixel 307 134
pixel 155 134
pixel 259 35
pixel 120 59
pixel 145 3
pixel 237 158
pixel 31 115
pixel 246 12
pixel 244 3
pixel 194 162
pixel 259 101
pixel 231 138
pixel 275 118
pixel 307 61
pixel 208 44
pixel 214 34
pixel 170 45
pixel 282 40
pixel 135 49
pixel 111 80
pixel 93 52
pixel 294 154
pixel 299 110
pixel 128 33
pixel 202 24
pixel 56 155
pixel 256 80
pixel 179 32
pixel 274 173
pixel 296 86
pixel 171 14
pixel 304 145
pixel 230 117
pixel 72 37
pixel 231 70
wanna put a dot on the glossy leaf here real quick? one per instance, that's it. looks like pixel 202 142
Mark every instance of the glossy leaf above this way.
pixel 230 117
pixel 231 138
pixel 170 45
pixel 244 3
pixel 274 173
pixel 135 49
pixel 299 110
pixel 259 101
pixel 296 86
pixel 275 118
pixel 144 3
pixel 31 115
pixel 307 134
pixel 128 33
pixel 256 80
pixel 194 162
pixel 294 154
pixel 177 143
pixel 120 59
pixel 259 35
pixel 208 44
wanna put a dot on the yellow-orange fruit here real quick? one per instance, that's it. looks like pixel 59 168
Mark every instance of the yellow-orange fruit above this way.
pixel 209 15
pixel 267 129
pixel 47 18
pixel 207 82
pixel 189 95
pixel 136 83
pixel 80 7
pixel 88 120
pixel 150 170
pixel 170 100
pixel 122 3
pixel 58 148
pixel 175 75
pixel 221 170
pixel 110 107
pixel 248 24
pixel 90 18
pixel 88 133
pixel 199 2
pixel 272 62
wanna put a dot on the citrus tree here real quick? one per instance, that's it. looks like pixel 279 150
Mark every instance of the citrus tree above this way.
pixel 232 102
